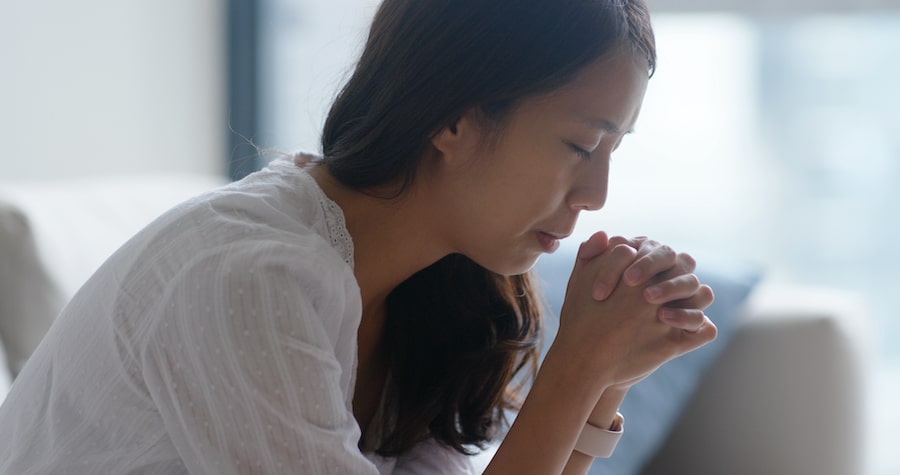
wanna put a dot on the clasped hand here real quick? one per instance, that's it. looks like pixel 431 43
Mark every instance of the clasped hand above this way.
pixel 630 306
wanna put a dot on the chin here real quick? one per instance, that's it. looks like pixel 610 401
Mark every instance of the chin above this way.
pixel 514 266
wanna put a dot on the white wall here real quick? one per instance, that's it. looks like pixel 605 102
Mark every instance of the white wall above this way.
pixel 107 87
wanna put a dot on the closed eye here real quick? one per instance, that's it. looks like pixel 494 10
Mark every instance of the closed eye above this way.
pixel 584 154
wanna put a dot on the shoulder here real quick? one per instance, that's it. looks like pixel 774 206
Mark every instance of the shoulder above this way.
pixel 262 296
pixel 302 266
pixel 272 222
pixel 294 269
pixel 226 241
pixel 281 203
pixel 248 271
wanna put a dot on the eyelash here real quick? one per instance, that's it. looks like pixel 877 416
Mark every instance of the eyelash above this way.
pixel 584 154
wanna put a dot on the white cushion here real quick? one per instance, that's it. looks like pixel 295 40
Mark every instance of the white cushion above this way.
pixel 54 235
pixel 29 299
pixel 786 395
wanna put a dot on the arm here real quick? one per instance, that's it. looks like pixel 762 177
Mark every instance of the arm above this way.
pixel 602 348
pixel 603 415
pixel 543 435
pixel 243 372
pixel 681 296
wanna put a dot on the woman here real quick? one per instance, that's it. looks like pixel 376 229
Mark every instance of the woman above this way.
pixel 368 311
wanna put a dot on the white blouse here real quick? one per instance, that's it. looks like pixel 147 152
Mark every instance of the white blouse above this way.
pixel 221 339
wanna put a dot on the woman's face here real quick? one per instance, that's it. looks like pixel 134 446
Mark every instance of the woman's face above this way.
pixel 507 202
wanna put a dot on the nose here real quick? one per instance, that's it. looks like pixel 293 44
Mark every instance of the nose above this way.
pixel 590 190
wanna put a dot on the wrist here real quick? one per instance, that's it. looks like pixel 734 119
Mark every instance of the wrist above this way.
pixel 598 441
pixel 592 372
pixel 605 412
pixel 561 369
pixel 551 419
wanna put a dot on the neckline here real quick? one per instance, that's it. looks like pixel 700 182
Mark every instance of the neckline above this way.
pixel 335 223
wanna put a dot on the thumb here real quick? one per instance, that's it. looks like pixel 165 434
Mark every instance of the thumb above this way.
pixel 594 246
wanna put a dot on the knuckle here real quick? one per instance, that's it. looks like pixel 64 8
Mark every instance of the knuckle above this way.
pixel 623 250
pixel 667 254
pixel 618 240
pixel 693 281
pixel 687 261
pixel 666 285
pixel 691 317
pixel 712 330
pixel 707 292
pixel 698 317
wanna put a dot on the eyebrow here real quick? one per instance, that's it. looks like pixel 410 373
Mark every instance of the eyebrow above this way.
pixel 606 126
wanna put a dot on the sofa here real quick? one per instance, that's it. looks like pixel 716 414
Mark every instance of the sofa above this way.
pixel 779 392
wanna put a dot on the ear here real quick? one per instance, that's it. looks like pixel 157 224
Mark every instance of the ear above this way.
pixel 457 138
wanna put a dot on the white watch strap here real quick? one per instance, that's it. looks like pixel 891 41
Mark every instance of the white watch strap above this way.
pixel 598 442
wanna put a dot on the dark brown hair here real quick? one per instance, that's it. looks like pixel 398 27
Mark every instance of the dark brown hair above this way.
pixel 457 333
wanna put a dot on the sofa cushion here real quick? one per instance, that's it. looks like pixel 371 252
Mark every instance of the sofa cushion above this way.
pixel 788 393
pixel 29 299
pixel 54 235
pixel 653 405
pixel 5 376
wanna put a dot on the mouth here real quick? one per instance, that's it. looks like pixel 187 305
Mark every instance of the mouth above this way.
pixel 558 236
pixel 549 241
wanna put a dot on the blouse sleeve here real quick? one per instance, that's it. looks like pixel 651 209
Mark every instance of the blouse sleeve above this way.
pixel 243 368
pixel 432 458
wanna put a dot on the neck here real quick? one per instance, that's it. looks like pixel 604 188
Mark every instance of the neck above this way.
pixel 392 238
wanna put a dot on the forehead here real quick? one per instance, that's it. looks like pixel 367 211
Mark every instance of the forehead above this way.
pixel 610 88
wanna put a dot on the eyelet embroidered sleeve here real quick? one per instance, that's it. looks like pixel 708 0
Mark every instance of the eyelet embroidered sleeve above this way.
pixel 431 458
pixel 245 363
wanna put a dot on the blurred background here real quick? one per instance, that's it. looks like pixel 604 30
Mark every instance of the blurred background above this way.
pixel 770 131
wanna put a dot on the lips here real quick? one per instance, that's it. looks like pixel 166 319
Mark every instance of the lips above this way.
pixel 556 235
pixel 550 241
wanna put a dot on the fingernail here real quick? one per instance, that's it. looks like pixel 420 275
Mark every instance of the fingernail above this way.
pixel 600 291
pixel 666 313
pixel 633 275
pixel 581 250
pixel 654 292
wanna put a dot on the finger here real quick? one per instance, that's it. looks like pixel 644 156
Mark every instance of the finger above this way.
pixel 658 259
pixel 595 245
pixel 677 288
pixel 706 333
pixel 703 298
pixel 684 264
pixel 607 270
pixel 634 242
pixel 687 319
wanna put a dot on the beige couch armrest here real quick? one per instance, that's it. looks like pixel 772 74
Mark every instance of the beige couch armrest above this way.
pixel 29 299
pixel 785 397
pixel 54 235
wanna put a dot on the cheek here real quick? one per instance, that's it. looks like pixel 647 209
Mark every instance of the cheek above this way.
pixel 528 179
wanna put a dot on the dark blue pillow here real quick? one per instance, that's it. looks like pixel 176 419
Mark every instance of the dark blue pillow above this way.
pixel 653 405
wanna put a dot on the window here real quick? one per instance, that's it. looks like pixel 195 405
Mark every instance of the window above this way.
pixel 769 137
pixel 778 141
